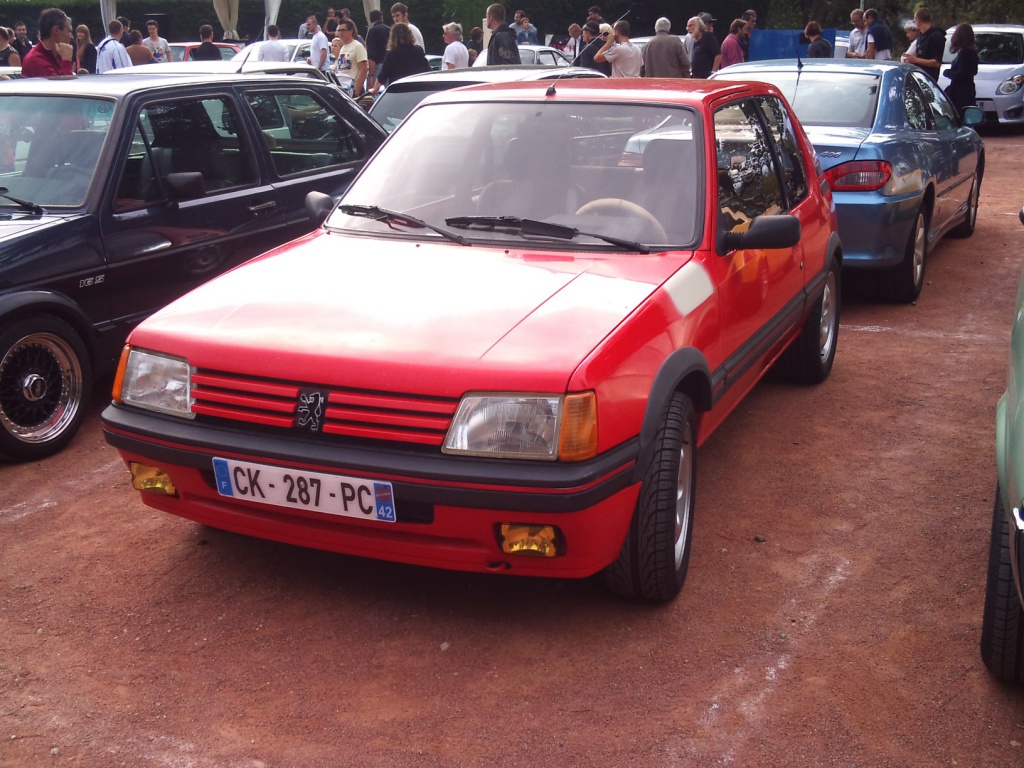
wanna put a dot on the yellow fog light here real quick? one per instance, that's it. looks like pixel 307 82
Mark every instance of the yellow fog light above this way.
pixel 147 478
pixel 532 540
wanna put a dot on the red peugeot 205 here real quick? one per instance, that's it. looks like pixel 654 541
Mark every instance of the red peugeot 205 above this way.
pixel 503 346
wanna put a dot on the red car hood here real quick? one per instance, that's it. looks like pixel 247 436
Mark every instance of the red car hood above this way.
pixel 425 318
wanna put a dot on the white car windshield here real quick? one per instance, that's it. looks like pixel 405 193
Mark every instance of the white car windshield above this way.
pixel 610 170
pixel 49 147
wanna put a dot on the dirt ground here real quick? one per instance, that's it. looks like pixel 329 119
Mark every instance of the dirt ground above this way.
pixel 848 637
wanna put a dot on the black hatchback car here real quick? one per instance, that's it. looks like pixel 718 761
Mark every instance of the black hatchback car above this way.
pixel 119 194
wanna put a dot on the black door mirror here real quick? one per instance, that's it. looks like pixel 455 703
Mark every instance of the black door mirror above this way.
pixel 764 232
pixel 185 186
pixel 318 207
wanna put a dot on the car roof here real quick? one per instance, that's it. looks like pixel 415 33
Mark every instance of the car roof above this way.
pixel 495 74
pixel 122 85
pixel 1018 28
pixel 200 42
pixel 864 66
pixel 231 67
pixel 660 91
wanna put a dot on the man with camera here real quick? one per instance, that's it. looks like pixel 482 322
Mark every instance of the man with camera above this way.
pixel 626 59
pixel 589 47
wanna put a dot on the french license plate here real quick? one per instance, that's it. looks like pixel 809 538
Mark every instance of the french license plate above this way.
pixel 299 489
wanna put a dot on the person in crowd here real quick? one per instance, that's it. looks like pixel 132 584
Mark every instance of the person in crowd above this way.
pixel 126 31
pixel 476 42
pixel 21 43
pixel 456 55
pixel 711 40
pixel 517 23
pixel 879 37
pixel 665 55
pixel 350 59
pixel 964 69
pixel 9 57
pixel 732 52
pixel 318 45
pixel 376 45
pixel 138 53
pixel 272 49
pixel 331 26
pixel 819 47
pixel 626 59
pixel 702 57
pixel 574 43
pixel 400 15
pixel 591 45
pixel 594 14
pixel 85 51
pixel 502 48
pixel 158 45
pixel 751 18
pixel 52 55
pixel 931 44
pixel 527 34
pixel 304 32
pixel 910 30
pixel 404 57
pixel 858 35
pixel 206 51
pixel 110 54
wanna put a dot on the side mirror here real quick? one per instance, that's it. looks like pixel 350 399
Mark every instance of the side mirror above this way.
pixel 319 207
pixel 185 186
pixel 764 232
pixel 973 116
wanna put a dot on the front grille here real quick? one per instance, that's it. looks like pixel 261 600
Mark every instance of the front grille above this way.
pixel 345 413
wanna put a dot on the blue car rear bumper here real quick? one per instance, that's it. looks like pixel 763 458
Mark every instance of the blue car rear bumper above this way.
pixel 874 228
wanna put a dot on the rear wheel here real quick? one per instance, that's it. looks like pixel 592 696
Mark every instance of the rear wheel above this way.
pixel 656 553
pixel 44 387
pixel 907 278
pixel 1002 624
pixel 809 358
pixel 966 227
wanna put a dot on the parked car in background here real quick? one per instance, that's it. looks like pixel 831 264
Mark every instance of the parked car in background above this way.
pixel 999 84
pixel 541 55
pixel 184 51
pixel 1002 627
pixel 503 348
pixel 398 99
pixel 10 73
pixel 123 193
pixel 262 68
pixel 298 50
pixel 903 168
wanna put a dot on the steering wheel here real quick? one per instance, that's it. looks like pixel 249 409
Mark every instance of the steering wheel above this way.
pixel 616 207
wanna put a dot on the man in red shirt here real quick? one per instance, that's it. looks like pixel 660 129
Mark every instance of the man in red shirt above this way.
pixel 52 55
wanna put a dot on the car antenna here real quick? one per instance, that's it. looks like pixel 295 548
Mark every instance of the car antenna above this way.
pixel 551 88
pixel 799 71
pixel 245 58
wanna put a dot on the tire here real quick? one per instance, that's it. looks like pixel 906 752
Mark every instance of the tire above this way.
pixel 907 278
pixel 809 358
pixel 45 382
pixel 966 227
pixel 1002 623
pixel 656 553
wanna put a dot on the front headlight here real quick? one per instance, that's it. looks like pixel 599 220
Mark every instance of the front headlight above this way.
pixel 1011 85
pixel 155 382
pixel 525 426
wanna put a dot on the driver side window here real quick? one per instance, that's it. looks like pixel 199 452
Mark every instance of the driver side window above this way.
pixel 748 180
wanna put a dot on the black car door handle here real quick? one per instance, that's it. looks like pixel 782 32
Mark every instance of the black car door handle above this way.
pixel 261 207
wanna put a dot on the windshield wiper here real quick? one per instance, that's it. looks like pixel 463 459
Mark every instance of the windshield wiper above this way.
pixel 383 214
pixel 539 228
pixel 26 204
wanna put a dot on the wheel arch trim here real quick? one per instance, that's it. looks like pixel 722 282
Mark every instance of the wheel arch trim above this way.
pixel 25 303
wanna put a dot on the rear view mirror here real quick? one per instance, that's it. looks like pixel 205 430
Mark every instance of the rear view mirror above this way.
pixel 973 116
pixel 764 232
pixel 318 207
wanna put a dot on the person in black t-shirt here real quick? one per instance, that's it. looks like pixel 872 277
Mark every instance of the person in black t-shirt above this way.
pixel 207 51
pixel 376 45
pixel 931 44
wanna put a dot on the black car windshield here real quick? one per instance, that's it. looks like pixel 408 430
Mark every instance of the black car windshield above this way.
pixel 840 99
pixel 49 147
pixel 627 171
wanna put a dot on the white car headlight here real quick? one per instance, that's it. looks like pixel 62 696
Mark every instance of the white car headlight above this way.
pixel 157 383
pixel 525 426
pixel 1011 85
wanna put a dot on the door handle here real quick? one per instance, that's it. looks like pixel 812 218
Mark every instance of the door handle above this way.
pixel 261 207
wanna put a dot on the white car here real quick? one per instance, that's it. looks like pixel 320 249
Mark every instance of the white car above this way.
pixel 999 84
pixel 298 50
pixel 543 55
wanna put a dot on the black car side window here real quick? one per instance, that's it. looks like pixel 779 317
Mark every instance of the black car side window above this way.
pixel 748 180
pixel 780 126
pixel 303 134
pixel 198 135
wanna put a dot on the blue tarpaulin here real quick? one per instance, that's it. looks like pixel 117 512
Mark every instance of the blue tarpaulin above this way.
pixel 783 43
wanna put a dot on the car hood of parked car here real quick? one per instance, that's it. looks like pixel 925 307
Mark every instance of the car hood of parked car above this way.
pixel 371 311
pixel 15 224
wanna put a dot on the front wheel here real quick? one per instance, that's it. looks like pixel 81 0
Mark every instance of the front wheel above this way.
pixel 809 358
pixel 45 380
pixel 656 553
pixel 1002 624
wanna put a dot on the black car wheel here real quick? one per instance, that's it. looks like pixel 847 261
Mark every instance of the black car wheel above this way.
pixel 809 358
pixel 1002 624
pixel 44 387
pixel 907 278
pixel 656 553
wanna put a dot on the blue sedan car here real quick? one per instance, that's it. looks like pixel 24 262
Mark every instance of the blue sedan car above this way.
pixel 904 168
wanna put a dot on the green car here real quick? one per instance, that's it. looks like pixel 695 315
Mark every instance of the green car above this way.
pixel 1002 629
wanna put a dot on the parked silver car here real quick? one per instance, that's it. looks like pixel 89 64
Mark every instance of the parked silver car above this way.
pixel 999 83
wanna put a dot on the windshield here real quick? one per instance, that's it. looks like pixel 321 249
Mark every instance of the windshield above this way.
pixel 846 100
pixel 625 171
pixel 49 147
